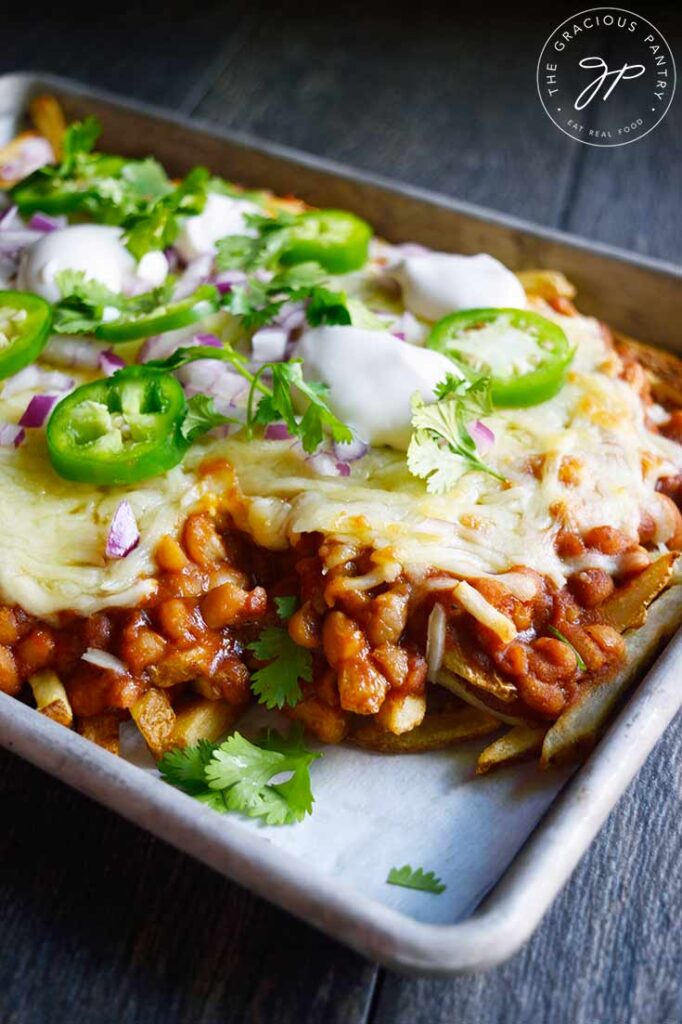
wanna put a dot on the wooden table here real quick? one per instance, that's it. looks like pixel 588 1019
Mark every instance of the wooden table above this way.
pixel 98 921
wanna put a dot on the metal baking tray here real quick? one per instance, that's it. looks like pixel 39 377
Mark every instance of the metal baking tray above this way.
pixel 638 296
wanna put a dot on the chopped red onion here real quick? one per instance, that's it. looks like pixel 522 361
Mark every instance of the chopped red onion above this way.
pixel 160 346
pixel 14 240
pixel 123 536
pixel 109 362
pixel 8 217
pixel 37 411
pixel 277 432
pixel 35 152
pixel 62 350
pixel 43 222
pixel 196 273
pixel 343 469
pixel 208 339
pixel 268 345
pixel 172 258
pixel 11 435
pixel 400 335
pixel 226 280
pixel 482 435
pixel 215 379
pixel 326 465
pixel 35 378
pixel 290 317
pixel 103 659
pixel 350 451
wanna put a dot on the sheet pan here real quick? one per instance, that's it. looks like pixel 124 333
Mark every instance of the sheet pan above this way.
pixel 504 845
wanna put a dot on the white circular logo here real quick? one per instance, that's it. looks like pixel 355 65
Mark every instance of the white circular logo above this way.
pixel 606 77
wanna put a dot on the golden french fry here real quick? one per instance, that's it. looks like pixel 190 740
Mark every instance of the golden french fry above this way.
pixel 578 727
pixel 437 731
pixel 465 692
pixel 456 661
pixel 626 608
pixel 102 730
pixel 48 118
pixel 330 725
pixel 401 712
pixel 548 284
pixel 519 743
pixel 202 719
pixel 50 697
pixel 155 718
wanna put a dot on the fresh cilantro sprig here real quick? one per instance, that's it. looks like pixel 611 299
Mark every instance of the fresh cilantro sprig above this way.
pixel 258 301
pixel 425 881
pixel 275 401
pixel 201 417
pixel 237 775
pixel 286 606
pixel 156 226
pixel 442 446
pixel 84 300
pixel 277 684
pixel 560 636
pixel 261 250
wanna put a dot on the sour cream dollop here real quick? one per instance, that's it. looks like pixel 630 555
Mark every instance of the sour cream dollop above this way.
pixel 371 377
pixel 221 216
pixel 96 250
pixel 437 283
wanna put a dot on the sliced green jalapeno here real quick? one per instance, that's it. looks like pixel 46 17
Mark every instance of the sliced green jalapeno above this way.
pixel 335 239
pixel 47 192
pixel 120 430
pixel 526 355
pixel 129 327
pixel 25 322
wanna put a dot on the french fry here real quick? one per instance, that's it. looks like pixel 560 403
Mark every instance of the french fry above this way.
pixel 102 730
pixel 401 712
pixel 548 284
pixel 626 608
pixel 466 693
pixel 50 697
pixel 330 725
pixel 520 743
pixel 436 732
pixel 48 118
pixel 456 661
pixel 202 719
pixel 155 718
pixel 577 729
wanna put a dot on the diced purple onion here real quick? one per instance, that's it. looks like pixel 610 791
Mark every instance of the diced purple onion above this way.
pixel 215 379
pixel 343 469
pixel 268 345
pixel 34 378
pixel 14 240
pixel 172 258
pixel 64 351
pixel 123 536
pixel 105 660
pixel 208 339
pixel 350 451
pixel 11 435
pixel 277 432
pixel 37 411
pixel 109 362
pixel 400 335
pixel 160 346
pixel 482 435
pixel 326 465
pixel 35 152
pixel 290 317
pixel 196 273
pixel 43 222
pixel 8 217
pixel 226 280
pixel 413 249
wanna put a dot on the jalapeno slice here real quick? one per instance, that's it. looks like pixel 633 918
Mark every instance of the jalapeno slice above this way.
pixel 197 306
pixel 120 430
pixel 45 192
pixel 335 239
pixel 25 322
pixel 526 355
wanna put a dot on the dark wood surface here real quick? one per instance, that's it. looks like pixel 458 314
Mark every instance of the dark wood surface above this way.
pixel 98 921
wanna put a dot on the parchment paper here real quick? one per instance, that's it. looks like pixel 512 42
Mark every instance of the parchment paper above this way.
pixel 373 812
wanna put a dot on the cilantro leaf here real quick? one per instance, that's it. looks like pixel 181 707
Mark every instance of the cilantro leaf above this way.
pixel 327 307
pixel 244 771
pixel 78 140
pixel 201 417
pixel 247 252
pixel 286 606
pixel 185 768
pixel 441 448
pixel 81 308
pixel 277 683
pixel 156 226
pixel 560 636
pixel 279 405
pixel 425 881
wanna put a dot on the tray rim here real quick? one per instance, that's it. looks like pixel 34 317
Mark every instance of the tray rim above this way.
pixel 519 900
